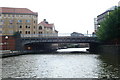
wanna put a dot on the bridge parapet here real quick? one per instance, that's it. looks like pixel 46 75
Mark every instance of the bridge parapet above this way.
pixel 54 35
pixel 59 39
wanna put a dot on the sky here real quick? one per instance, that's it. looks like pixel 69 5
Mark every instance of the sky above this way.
pixel 67 15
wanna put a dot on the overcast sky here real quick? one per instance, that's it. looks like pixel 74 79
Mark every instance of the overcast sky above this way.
pixel 67 15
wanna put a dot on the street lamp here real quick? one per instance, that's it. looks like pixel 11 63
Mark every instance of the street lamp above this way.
pixel 6 38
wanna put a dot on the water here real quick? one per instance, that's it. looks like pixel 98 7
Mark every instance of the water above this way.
pixel 72 49
pixel 60 65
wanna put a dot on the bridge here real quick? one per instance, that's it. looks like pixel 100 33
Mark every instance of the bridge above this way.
pixel 46 43
pixel 65 39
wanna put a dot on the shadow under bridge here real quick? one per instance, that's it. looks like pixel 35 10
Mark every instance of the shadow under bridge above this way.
pixel 51 43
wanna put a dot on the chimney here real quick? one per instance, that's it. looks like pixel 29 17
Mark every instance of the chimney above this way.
pixel 45 21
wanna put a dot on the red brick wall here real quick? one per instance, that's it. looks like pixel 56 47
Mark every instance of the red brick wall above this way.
pixel 7 44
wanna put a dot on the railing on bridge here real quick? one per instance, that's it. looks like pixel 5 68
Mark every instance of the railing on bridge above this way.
pixel 60 39
pixel 56 35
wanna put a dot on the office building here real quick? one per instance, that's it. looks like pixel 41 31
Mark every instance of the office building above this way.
pixel 102 17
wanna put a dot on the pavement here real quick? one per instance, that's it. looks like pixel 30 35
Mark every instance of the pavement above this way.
pixel 7 53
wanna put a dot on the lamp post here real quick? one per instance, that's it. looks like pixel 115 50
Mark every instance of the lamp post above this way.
pixel 6 38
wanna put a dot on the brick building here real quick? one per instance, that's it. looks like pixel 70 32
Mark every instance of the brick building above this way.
pixel 20 20
pixel 7 43
pixel 25 22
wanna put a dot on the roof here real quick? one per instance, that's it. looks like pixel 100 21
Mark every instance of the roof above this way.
pixel 46 24
pixel 108 10
pixel 112 8
pixel 76 34
pixel 16 10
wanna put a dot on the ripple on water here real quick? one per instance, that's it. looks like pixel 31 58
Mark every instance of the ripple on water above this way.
pixel 56 66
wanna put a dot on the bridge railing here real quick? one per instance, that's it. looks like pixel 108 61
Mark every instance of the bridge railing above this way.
pixel 56 35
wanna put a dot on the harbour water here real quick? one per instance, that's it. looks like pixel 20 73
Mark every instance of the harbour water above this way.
pixel 61 65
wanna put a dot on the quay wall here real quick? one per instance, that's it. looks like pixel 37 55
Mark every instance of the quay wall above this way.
pixel 104 48
pixel 108 49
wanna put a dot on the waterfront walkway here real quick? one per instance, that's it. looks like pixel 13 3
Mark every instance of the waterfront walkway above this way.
pixel 8 53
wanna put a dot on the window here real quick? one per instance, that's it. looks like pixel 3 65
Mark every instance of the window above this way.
pixel 45 28
pixel 19 21
pixel 25 32
pixel 20 26
pixel 40 27
pixel 34 32
pixel 10 26
pixel 20 32
pixel 11 21
pixel 13 15
pixel 27 26
pixel 8 15
pixel 40 32
pixel 34 27
pixel 51 28
pixel 1 26
pixel 11 32
pixel 2 21
pixel 27 20
pixel 4 15
pixel 28 32
pixel 0 32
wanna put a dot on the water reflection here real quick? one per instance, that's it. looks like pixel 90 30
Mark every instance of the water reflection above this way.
pixel 72 49
pixel 60 66
pixel 110 65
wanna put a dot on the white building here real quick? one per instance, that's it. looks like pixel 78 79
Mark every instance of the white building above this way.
pixel 46 29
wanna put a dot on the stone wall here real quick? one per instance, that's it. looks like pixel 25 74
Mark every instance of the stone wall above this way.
pixel 109 49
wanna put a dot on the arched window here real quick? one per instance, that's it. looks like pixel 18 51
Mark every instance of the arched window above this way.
pixel 40 27
pixel 20 26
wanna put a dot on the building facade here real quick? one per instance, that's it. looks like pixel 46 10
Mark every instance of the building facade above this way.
pixel 45 29
pixel 95 24
pixel 20 20
pixel 23 21
pixel 119 3
pixel 102 17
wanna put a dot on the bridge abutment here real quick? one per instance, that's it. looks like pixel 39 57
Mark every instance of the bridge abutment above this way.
pixel 93 47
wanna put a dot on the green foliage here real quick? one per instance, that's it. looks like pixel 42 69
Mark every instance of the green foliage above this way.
pixel 110 27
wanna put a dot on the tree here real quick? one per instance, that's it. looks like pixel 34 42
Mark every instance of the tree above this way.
pixel 110 28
